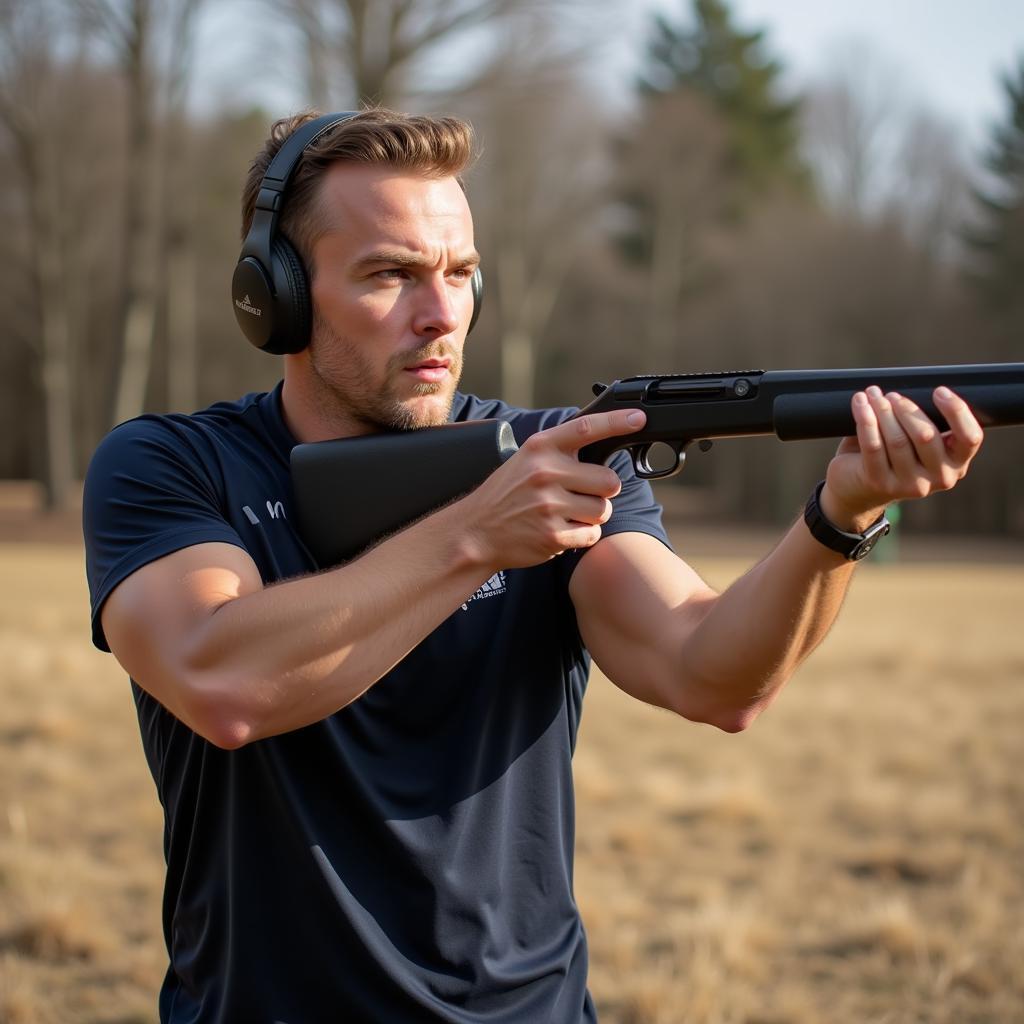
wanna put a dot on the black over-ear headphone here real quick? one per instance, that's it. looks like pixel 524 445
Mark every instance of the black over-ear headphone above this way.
pixel 270 287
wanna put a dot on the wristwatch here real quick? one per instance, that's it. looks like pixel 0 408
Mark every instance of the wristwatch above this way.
pixel 852 546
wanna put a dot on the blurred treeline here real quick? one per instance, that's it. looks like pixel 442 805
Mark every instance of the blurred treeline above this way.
pixel 691 215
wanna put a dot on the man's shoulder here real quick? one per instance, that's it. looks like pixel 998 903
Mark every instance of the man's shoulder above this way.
pixel 158 483
pixel 161 456
pixel 217 415
pixel 153 434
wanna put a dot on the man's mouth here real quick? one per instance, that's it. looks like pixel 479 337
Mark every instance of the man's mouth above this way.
pixel 430 371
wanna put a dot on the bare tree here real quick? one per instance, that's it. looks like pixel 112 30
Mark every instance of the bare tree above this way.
pixel 852 124
pixel 879 155
pixel 30 104
pixel 538 192
pixel 180 206
pixel 388 52
pixel 672 173
pixel 309 17
pixel 150 40
pixel 930 196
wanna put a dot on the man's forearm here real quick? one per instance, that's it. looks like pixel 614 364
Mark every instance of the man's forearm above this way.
pixel 757 631
pixel 293 653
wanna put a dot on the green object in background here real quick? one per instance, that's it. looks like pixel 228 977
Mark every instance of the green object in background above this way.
pixel 889 550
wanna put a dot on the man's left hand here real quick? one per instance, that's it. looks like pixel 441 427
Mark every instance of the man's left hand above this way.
pixel 897 453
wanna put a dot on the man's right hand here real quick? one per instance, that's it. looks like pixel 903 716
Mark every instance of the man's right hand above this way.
pixel 544 501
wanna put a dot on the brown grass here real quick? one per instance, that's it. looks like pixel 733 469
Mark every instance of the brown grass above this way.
pixel 855 858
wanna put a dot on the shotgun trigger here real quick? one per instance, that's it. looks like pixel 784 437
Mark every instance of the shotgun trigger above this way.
pixel 644 469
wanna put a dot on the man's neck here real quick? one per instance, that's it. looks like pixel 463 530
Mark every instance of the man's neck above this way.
pixel 308 414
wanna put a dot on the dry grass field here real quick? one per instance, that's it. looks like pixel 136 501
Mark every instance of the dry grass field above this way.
pixel 855 858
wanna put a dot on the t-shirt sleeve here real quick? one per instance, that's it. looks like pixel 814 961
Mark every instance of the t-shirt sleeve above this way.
pixel 634 510
pixel 147 494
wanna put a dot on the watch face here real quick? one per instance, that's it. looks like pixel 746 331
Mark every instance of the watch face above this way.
pixel 864 548
pixel 873 536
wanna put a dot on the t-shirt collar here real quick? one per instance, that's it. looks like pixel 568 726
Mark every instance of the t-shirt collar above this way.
pixel 272 414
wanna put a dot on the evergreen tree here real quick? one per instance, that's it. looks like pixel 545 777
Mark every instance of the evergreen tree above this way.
pixel 730 68
pixel 711 135
pixel 998 241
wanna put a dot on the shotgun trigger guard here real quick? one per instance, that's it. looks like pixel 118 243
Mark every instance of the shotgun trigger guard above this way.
pixel 644 469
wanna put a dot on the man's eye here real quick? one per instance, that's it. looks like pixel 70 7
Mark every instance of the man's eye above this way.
pixel 391 274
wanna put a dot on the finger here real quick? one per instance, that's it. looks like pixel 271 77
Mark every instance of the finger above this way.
pixel 588 510
pixel 577 433
pixel 566 473
pixel 579 537
pixel 923 434
pixel 899 449
pixel 965 435
pixel 869 440
pixel 586 478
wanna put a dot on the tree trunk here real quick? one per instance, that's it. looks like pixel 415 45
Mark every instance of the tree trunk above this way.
pixel 55 331
pixel 517 367
pixel 183 348
pixel 142 220
pixel 667 257
pixel 56 381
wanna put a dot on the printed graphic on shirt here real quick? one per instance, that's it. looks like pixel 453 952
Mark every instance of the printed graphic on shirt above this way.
pixel 493 587
pixel 275 510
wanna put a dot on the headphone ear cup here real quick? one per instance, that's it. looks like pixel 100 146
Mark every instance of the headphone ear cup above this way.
pixel 477 284
pixel 253 296
pixel 293 306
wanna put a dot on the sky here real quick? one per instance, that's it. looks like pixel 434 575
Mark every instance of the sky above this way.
pixel 949 52
pixel 944 54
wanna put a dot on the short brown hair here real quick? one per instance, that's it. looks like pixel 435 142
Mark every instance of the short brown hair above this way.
pixel 432 146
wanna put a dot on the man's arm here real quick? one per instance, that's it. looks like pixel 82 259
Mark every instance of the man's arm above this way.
pixel 237 661
pixel 659 632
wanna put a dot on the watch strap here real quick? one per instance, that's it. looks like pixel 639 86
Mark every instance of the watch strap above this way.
pixel 852 546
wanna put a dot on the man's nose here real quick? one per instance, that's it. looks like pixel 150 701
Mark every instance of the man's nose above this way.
pixel 437 312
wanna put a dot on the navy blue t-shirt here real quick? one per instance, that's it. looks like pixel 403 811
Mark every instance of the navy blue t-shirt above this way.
pixel 408 858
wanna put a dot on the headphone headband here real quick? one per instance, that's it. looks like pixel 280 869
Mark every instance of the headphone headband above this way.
pixel 270 197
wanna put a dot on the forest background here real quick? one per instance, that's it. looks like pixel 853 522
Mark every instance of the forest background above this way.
pixel 711 218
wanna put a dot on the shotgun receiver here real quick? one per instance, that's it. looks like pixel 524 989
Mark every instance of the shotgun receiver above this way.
pixel 403 476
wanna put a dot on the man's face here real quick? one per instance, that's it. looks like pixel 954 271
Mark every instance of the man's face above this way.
pixel 391 297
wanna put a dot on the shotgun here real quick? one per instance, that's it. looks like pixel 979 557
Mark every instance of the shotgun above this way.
pixel 406 475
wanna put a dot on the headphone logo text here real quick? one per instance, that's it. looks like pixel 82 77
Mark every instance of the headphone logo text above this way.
pixel 248 307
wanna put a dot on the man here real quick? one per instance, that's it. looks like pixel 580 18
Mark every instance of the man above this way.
pixel 366 771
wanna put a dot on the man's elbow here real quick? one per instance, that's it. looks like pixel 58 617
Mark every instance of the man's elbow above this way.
pixel 214 696
pixel 228 733
pixel 736 721
pixel 726 721
pixel 211 708
pixel 724 715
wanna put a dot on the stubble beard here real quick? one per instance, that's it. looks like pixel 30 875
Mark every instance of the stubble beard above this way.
pixel 345 389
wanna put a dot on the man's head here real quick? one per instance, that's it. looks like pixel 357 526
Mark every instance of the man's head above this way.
pixel 377 213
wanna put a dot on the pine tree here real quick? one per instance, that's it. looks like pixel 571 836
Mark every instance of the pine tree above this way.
pixel 998 241
pixel 730 68
pixel 711 135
